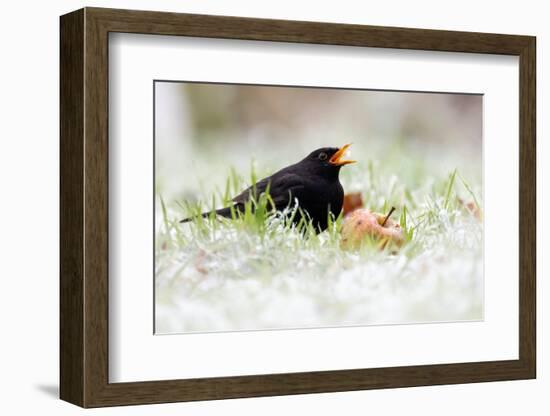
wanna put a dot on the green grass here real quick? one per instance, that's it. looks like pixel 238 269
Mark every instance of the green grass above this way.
pixel 419 218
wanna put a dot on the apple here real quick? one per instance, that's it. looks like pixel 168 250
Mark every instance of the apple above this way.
pixel 352 201
pixel 362 224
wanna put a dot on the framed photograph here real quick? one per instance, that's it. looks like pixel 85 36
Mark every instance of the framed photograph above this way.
pixel 254 207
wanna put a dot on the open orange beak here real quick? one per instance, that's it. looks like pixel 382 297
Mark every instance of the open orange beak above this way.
pixel 337 158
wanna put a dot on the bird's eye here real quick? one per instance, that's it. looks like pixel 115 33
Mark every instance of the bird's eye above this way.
pixel 322 156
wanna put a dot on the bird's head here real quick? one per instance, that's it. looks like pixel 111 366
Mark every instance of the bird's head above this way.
pixel 328 160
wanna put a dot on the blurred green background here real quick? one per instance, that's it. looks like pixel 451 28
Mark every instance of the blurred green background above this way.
pixel 203 130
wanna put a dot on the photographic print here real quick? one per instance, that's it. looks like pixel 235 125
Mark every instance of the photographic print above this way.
pixel 285 207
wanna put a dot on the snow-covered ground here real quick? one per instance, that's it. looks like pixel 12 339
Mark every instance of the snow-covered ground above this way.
pixel 236 283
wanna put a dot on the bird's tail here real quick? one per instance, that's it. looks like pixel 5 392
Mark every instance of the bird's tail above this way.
pixel 222 212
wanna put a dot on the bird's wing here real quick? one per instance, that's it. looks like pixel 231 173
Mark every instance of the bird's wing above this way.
pixel 283 189
pixel 245 195
pixel 286 189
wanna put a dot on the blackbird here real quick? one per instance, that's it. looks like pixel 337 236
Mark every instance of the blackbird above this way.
pixel 312 183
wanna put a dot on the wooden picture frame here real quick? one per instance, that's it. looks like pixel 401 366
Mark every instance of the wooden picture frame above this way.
pixel 84 207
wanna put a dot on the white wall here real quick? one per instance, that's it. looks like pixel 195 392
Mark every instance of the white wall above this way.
pixel 29 208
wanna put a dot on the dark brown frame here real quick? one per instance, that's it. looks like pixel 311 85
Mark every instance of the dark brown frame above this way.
pixel 84 207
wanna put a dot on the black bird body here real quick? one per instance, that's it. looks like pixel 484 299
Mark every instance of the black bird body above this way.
pixel 312 183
